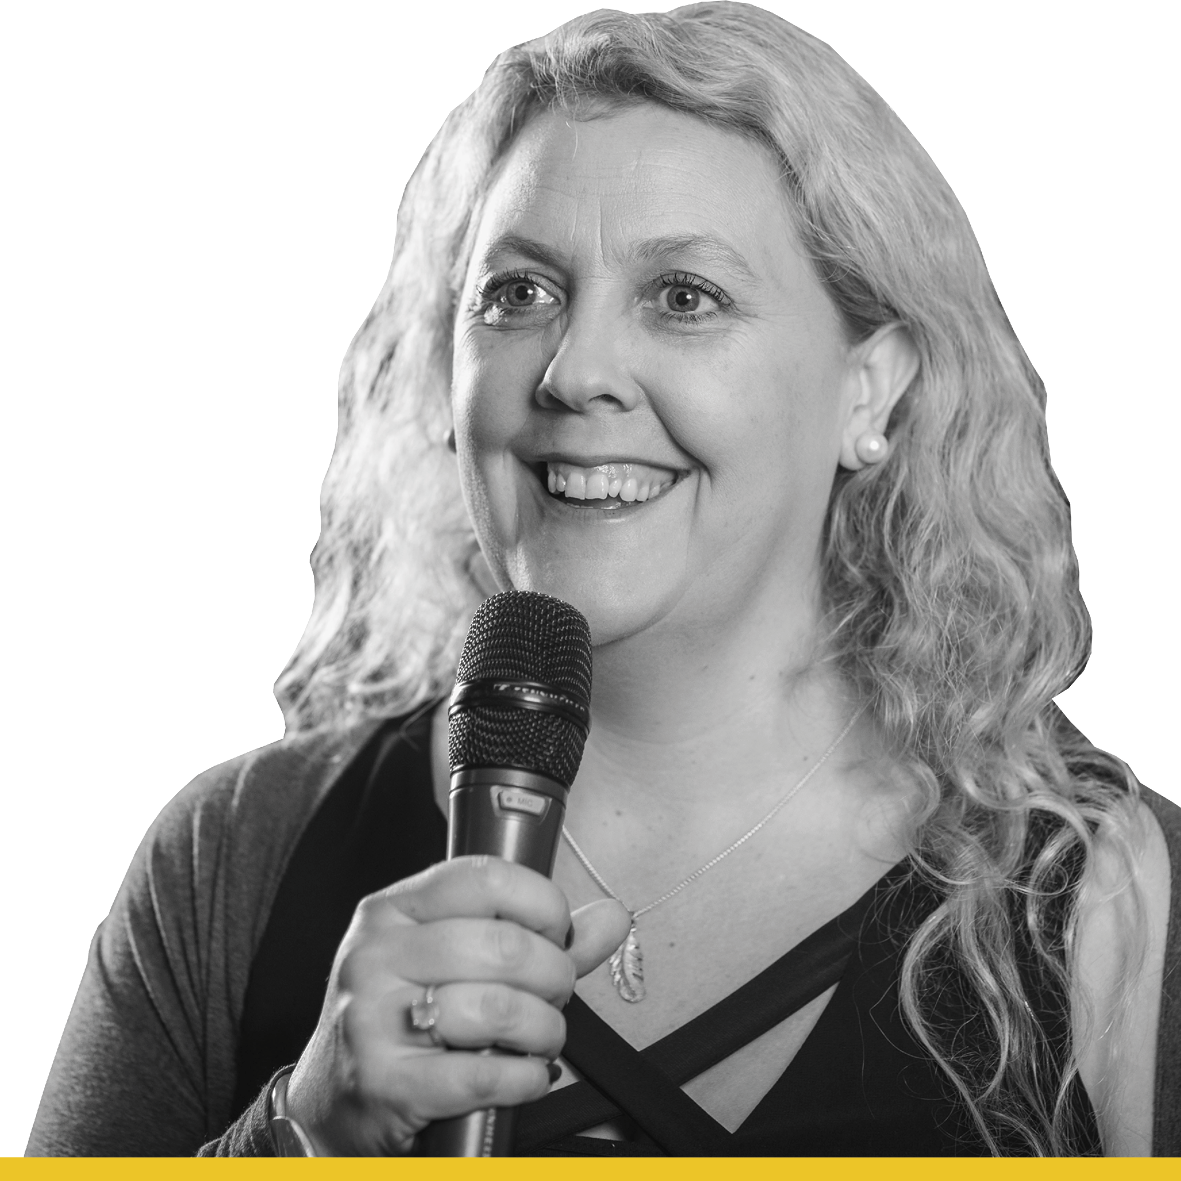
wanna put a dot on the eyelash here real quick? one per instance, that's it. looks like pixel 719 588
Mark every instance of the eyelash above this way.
pixel 694 283
pixel 486 293
pixel 487 290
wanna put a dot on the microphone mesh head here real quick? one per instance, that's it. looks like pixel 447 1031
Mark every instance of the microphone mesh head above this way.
pixel 523 636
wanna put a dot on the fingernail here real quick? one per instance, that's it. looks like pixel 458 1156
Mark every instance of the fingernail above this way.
pixel 569 938
pixel 554 1071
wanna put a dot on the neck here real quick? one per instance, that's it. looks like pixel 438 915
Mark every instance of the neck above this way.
pixel 675 716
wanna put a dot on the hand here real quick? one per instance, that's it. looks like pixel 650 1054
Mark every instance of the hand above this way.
pixel 491 938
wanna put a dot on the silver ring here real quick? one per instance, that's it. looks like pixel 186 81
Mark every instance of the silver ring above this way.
pixel 424 1016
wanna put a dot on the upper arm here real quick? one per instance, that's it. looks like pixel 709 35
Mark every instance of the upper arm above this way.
pixel 126 1079
pixel 1118 967
pixel 132 1073
pixel 148 1060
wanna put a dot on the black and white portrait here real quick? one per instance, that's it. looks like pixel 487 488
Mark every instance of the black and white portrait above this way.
pixel 854 453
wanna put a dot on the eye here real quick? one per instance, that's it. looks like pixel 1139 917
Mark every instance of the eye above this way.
pixel 520 293
pixel 689 299
pixel 515 292
pixel 682 299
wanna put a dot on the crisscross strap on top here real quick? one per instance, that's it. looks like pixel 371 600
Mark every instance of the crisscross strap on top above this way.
pixel 860 1085
pixel 646 1084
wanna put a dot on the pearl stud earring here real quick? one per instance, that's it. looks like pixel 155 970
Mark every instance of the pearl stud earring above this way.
pixel 871 447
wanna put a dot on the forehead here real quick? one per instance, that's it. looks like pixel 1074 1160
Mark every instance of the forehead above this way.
pixel 635 174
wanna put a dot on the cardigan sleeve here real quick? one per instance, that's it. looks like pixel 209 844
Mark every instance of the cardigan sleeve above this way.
pixel 146 1065
pixel 250 1133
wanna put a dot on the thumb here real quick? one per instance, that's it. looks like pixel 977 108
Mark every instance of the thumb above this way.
pixel 599 928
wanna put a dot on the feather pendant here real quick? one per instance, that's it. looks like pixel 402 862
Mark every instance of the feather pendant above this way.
pixel 627 968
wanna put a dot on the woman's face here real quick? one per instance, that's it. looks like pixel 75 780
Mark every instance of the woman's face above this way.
pixel 650 384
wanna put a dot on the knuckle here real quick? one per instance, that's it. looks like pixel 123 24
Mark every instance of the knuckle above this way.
pixel 353 1027
pixel 363 1081
pixel 349 971
pixel 483 1078
pixel 405 1096
pixel 414 884
pixel 369 908
pixel 509 945
pixel 500 1009
pixel 493 874
pixel 360 964
pixel 374 917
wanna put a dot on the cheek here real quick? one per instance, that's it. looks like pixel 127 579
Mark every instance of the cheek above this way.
pixel 490 393
pixel 489 405
pixel 755 413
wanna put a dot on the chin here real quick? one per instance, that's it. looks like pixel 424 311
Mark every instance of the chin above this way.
pixel 615 608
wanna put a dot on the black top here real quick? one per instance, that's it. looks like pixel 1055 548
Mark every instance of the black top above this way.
pixel 860 1085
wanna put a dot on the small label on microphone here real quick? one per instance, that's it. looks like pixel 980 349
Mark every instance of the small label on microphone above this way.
pixel 514 799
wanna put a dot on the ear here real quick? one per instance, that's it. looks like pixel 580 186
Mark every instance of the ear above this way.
pixel 881 369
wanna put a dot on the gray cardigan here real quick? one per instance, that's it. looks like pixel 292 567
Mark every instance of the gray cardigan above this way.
pixel 147 1062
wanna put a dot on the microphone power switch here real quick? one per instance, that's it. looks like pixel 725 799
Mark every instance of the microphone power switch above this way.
pixel 506 812
pixel 514 799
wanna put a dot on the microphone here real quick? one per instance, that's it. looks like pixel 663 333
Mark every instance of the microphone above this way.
pixel 516 726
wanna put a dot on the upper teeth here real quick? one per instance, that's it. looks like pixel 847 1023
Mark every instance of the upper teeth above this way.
pixel 628 481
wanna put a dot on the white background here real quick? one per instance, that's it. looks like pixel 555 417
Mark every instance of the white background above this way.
pixel 197 211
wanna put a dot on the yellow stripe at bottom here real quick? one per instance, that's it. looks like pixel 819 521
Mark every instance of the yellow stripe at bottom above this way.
pixel 646 1169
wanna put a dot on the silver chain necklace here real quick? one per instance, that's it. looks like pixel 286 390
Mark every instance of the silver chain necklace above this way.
pixel 627 962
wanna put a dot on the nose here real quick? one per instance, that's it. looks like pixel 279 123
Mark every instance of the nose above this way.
pixel 589 372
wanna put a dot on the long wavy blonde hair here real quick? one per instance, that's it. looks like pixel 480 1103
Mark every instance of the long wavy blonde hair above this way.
pixel 950 579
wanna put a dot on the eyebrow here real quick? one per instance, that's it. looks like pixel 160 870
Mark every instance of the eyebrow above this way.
pixel 516 244
pixel 704 246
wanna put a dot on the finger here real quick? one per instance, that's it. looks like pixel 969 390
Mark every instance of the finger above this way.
pixel 465 1016
pixel 599 928
pixel 477 950
pixel 470 1016
pixel 484 887
pixel 425 1087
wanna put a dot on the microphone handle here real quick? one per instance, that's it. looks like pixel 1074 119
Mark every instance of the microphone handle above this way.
pixel 517 815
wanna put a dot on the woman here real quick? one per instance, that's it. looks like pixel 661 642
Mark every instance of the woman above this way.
pixel 683 328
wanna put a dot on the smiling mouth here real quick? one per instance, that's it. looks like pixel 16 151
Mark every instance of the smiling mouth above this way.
pixel 607 485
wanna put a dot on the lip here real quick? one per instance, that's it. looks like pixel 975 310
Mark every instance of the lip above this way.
pixel 599 460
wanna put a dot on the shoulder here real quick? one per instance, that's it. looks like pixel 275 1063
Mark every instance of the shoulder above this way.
pixel 199 889
pixel 1119 963
pixel 255 803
